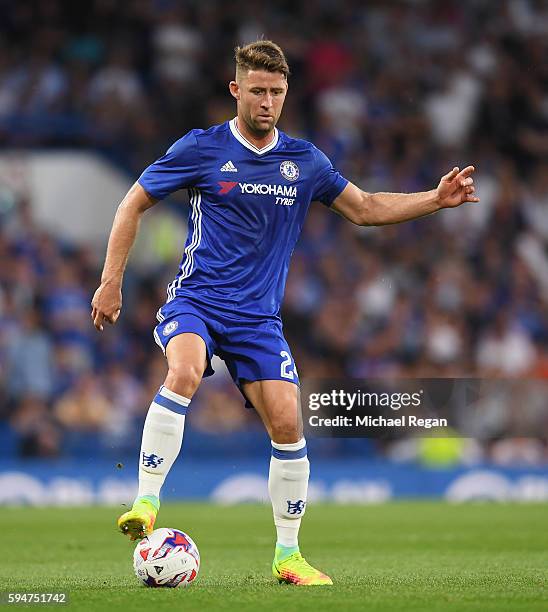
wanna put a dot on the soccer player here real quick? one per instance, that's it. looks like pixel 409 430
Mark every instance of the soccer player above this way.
pixel 250 187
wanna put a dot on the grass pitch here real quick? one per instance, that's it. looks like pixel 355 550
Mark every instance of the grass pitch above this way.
pixel 397 556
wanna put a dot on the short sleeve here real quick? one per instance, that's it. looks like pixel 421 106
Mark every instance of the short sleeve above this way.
pixel 177 169
pixel 329 183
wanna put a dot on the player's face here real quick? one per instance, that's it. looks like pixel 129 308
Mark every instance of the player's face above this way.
pixel 260 96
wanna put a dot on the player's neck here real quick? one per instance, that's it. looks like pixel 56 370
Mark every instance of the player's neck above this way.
pixel 259 141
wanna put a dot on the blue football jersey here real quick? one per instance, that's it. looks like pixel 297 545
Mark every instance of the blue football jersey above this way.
pixel 248 206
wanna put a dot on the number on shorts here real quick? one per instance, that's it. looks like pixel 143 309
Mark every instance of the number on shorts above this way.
pixel 287 369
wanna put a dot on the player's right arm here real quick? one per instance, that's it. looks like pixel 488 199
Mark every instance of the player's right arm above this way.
pixel 107 301
pixel 178 168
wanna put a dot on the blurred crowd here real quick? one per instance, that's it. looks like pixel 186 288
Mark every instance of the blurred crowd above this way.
pixel 395 94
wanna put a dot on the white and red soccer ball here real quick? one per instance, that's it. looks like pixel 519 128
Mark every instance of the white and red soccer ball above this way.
pixel 166 558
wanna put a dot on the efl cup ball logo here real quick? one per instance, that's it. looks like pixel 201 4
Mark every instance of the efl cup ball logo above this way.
pixel 289 170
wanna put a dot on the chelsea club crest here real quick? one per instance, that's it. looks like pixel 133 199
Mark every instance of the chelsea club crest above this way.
pixel 289 170
pixel 170 327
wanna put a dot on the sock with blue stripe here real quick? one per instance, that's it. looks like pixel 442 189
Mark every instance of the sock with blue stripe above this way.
pixel 288 485
pixel 162 440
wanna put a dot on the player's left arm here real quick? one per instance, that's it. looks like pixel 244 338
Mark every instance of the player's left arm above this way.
pixel 362 208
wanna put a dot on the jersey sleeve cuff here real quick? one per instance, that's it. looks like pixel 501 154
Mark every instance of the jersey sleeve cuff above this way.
pixel 335 192
pixel 151 192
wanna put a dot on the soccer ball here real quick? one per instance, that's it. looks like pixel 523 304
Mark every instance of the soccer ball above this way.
pixel 166 558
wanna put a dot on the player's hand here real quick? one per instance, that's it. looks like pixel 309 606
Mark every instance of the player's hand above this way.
pixel 106 304
pixel 457 187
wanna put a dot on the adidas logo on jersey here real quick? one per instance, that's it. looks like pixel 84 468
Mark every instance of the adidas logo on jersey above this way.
pixel 229 167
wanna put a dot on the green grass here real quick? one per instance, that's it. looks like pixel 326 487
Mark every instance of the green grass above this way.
pixel 398 556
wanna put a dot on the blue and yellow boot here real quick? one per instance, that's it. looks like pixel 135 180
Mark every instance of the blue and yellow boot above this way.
pixel 291 567
pixel 139 521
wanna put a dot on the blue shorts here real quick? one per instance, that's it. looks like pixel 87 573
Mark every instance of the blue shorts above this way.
pixel 251 349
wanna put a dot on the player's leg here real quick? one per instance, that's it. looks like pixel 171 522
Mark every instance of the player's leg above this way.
pixel 164 425
pixel 163 429
pixel 277 402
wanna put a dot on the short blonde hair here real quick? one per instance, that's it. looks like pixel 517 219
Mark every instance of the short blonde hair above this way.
pixel 261 55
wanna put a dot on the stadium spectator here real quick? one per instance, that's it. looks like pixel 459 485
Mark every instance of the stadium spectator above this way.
pixel 39 434
pixel 84 407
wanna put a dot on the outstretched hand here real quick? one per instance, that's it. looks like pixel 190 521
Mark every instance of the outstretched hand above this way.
pixel 457 187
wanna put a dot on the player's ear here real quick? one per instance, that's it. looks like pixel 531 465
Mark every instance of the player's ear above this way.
pixel 234 89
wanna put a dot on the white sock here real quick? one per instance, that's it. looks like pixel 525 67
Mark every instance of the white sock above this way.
pixel 287 485
pixel 162 439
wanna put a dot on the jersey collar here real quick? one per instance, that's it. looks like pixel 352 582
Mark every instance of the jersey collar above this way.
pixel 240 138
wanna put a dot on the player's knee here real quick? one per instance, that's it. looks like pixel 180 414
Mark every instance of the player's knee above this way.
pixel 285 431
pixel 183 378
